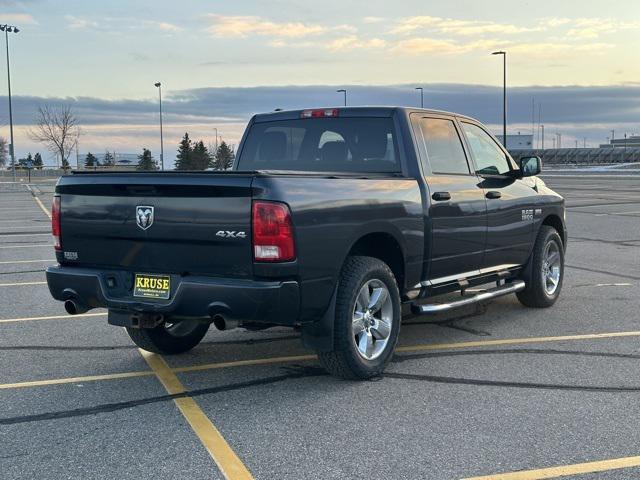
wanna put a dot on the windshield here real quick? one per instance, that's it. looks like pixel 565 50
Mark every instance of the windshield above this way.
pixel 321 145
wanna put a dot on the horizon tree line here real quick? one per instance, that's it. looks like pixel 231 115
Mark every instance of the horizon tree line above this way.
pixel 190 156
pixel 58 129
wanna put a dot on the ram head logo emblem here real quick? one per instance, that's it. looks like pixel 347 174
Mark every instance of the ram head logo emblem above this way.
pixel 144 216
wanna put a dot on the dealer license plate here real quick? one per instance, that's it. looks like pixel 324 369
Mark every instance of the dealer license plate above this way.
pixel 152 286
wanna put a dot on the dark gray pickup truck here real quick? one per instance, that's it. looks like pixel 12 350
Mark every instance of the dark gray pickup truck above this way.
pixel 332 221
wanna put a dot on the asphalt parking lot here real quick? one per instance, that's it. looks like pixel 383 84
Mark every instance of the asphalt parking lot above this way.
pixel 509 393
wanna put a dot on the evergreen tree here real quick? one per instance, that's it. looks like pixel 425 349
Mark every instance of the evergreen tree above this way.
pixel 184 159
pixel 25 162
pixel 90 160
pixel 224 157
pixel 201 156
pixel 146 161
pixel 109 159
pixel 37 161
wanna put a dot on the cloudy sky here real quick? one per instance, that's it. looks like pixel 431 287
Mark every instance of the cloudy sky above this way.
pixel 221 61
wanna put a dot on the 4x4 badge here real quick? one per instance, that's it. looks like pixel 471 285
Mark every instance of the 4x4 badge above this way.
pixel 144 216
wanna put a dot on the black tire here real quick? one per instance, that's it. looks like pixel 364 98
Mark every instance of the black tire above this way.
pixel 170 339
pixel 345 361
pixel 535 295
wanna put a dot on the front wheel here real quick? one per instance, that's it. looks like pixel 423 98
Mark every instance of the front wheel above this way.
pixel 169 338
pixel 547 270
pixel 367 320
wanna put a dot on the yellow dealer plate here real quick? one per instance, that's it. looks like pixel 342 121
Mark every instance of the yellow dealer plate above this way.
pixel 152 286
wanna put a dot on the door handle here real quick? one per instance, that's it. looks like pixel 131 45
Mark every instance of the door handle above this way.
pixel 438 196
pixel 493 194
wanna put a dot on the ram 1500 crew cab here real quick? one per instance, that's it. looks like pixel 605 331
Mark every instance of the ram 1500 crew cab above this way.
pixel 330 221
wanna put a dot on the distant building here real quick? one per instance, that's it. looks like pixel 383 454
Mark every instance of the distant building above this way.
pixel 630 142
pixel 121 159
pixel 518 142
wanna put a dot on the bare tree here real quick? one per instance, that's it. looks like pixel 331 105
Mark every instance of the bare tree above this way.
pixel 57 128
pixel 3 152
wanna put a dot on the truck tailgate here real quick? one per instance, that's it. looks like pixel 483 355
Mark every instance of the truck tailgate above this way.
pixel 158 222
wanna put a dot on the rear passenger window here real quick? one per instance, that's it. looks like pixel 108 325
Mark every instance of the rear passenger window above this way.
pixel 443 146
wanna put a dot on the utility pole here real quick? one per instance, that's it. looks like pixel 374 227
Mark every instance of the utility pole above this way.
pixel 8 29
pixel 159 85
pixel 533 117
pixel 504 95
pixel 540 123
pixel 421 96
pixel 342 90
pixel 77 156
pixel 542 127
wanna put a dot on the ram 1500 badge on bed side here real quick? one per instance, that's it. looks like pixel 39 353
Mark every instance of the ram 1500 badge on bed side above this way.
pixel 329 222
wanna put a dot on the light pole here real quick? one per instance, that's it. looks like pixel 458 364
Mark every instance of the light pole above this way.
pixel 8 29
pixel 216 129
pixel 542 126
pixel 504 95
pixel 421 96
pixel 342 90
pixel 159 85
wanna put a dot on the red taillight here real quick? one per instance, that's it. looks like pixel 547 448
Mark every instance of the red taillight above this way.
pixel 272 233
pixel 55 223
pixel 319 113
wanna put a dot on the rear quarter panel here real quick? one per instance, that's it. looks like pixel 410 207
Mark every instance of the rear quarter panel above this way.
pixel 331 214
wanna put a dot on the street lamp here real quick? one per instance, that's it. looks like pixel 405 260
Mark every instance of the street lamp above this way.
pixel 421 96
pixel 504 96
pixel 9 29
pixel 342 90
pixel 159 85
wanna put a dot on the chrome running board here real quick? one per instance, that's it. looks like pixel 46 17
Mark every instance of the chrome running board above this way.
pixel 432 308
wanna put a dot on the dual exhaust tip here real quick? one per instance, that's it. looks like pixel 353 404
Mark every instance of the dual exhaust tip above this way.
pixel 73 307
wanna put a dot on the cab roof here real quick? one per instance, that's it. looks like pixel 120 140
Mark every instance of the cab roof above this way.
pixel 367 111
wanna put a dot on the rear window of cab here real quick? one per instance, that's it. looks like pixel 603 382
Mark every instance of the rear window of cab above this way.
pixel 354 144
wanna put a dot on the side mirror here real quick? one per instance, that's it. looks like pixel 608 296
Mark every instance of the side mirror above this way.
pixel 530 166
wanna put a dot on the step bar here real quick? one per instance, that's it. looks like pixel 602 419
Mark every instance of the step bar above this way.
pixel 431 308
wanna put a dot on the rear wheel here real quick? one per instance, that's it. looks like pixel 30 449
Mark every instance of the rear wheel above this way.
pixel 367 320
pixel 170 338
pixel 547 270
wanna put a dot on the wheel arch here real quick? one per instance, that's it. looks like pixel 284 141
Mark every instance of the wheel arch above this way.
pixel 385 247
pixel 554 221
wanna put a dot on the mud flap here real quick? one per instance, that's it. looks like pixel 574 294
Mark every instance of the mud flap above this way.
pixel 318 335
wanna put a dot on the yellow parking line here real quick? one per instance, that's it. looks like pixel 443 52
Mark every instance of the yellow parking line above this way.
pixel 51 317
pixel 564 470
pixel 226 459
pixel 243 363
pixel 41 205
pixel 514 341
pixel 20 284
pixel 88 378
pixel 27 261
